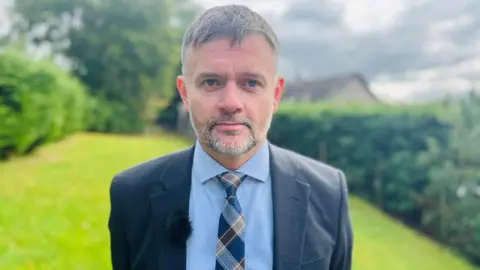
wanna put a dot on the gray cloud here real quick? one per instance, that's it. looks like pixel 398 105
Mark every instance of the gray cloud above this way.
pixel 315 40
pixel 314 13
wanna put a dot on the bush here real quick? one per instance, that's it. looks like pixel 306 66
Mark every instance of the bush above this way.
pixel 107 116
pixel 453 194
pixel 380 148
pixel 39 103
pixel 375 145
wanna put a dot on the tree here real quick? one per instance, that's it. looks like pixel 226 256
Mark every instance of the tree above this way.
pixel 454 188
pixel 123 50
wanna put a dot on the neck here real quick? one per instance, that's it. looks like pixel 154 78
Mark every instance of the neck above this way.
pixel 232 163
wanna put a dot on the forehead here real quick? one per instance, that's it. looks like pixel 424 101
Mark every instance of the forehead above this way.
pixel 252 54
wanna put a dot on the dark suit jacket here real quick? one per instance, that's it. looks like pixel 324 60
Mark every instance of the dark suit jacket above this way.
pixel 312 228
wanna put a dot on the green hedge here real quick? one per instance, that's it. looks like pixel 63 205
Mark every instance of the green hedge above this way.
pixel 39 103
pixel 376 146
pixel 407 160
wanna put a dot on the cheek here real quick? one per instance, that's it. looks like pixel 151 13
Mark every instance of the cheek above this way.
pixel 260 110
pixel 201 107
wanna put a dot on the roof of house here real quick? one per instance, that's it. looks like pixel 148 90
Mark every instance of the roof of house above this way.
pixel 321 88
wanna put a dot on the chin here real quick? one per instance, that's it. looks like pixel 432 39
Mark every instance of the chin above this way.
pixel 233 145
pixel 234 140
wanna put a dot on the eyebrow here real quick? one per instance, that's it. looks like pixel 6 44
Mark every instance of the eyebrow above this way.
pixel 204 75
pixel 252 75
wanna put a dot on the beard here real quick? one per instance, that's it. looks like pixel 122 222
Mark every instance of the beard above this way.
pixel 205 134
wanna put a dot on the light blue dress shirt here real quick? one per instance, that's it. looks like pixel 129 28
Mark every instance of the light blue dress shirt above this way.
pixel 207 198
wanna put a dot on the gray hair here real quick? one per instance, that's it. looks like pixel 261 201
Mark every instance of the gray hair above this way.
pixel 230 21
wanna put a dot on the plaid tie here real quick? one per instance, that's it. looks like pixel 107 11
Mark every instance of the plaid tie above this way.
pixel 230 243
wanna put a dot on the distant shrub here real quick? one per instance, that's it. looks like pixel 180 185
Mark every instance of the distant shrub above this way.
pixel 39 103
pixel 108 116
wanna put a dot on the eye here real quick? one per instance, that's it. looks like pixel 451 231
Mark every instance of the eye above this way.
pixel 210 82
pixel 252 83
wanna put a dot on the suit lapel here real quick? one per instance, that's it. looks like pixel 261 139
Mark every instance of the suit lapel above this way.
pixel 169 195
pixel 290 202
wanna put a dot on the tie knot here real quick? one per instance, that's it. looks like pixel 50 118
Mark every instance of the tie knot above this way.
pixel 231 181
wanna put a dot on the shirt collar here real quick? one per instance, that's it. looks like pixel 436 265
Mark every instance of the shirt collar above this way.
pixel 206 168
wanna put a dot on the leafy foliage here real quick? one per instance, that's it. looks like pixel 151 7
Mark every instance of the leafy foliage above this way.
pixel 401 158
pixel 454 189
pixel 39 103
pixel 121 49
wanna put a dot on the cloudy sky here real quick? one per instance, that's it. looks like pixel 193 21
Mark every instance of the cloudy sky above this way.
pixel 407 49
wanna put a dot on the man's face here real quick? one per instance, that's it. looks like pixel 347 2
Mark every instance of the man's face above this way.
pixel 231 93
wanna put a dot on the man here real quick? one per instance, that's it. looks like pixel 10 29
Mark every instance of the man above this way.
pixel 232 200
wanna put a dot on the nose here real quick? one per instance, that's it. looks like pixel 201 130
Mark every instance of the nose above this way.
pixel 230 100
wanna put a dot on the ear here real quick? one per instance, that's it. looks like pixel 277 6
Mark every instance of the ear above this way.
pixel 279 87
pixel 182 90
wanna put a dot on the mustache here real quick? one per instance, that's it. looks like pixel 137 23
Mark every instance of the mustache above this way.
pixel 212 122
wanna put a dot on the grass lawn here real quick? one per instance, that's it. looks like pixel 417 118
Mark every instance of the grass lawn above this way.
pixel 54 209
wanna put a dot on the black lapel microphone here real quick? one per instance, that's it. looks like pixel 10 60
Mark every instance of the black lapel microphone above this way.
pixel 179 227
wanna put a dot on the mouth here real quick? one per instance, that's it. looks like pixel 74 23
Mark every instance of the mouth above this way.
pixel 229 123
pixel 229 126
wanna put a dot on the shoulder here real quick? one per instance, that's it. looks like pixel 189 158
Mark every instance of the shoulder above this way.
pixel 320 176
pixel 143 175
